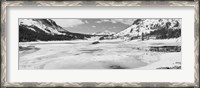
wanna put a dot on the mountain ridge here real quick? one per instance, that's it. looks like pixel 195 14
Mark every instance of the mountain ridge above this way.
pixel 106 32
pixel 48 30
pixel 151 27
pixel 45 30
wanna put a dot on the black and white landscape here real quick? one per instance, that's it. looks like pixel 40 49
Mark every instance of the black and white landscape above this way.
pixel 100 43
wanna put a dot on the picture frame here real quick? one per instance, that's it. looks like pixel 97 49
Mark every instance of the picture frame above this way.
pixel 4 39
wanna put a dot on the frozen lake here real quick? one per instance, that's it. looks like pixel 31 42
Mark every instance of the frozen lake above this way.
pixel 82 54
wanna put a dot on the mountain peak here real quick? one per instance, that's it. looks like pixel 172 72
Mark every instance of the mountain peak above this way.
pixel 46 25
pixel 106 32
pixel 145 26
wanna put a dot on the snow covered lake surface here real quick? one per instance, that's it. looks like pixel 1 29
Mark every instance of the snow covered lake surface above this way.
pixel 108 54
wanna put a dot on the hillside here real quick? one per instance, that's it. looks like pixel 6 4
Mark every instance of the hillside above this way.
pixel 45 30
pixel 158 28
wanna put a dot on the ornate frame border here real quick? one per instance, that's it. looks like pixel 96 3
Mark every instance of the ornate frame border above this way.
pixel 5 4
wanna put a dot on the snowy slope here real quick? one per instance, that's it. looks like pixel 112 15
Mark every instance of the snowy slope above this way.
pixel 147 25
pixel 46 25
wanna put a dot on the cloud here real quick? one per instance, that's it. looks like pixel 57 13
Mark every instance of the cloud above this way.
pixel 94 26
pixel 99 22
pixel 113 21
pixel 86 21
pixel 68 22
pixel 103 20
pixel 123 21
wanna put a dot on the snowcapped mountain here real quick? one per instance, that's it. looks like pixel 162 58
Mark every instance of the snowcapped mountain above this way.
pixel 44 30
pixel 106 32
pixel 145 26
pixel 47 26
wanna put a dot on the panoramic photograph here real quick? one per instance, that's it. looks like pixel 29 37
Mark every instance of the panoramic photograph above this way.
pixel 99 43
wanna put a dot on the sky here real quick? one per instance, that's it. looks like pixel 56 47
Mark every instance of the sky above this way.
pixel 94 25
